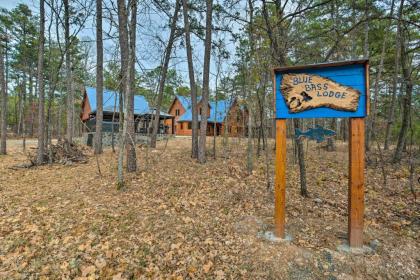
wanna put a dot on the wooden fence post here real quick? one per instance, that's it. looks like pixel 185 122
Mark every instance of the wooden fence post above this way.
pixel 280 180
pixel 356 181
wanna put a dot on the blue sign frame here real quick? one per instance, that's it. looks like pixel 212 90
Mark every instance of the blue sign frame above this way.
pixel 354 74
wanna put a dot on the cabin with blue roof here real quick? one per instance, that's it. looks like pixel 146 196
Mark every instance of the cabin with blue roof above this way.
pixel 223 115
pixel 143 114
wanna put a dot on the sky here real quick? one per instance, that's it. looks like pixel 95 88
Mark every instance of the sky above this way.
pixel 149 52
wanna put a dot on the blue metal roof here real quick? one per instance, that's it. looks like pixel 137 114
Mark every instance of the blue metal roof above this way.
pixel 111 102
pixel 217 114
pixel 185 102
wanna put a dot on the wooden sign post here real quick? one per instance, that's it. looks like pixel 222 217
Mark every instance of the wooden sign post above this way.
pixel 329 90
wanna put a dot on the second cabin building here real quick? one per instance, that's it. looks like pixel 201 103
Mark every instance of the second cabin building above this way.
pixel 224 116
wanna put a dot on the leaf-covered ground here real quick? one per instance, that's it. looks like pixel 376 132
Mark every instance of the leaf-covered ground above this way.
pixel 178 219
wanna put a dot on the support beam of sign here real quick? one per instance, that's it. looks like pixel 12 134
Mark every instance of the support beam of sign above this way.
pixel 328 90
pixel 280 180
pixel 356 181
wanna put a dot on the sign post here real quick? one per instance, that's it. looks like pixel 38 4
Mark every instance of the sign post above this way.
pixel 328 90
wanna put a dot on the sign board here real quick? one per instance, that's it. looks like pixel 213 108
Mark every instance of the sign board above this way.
pixel 330 90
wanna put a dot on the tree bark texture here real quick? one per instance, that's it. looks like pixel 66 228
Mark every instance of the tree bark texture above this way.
pixel 206 80
pixel 131 143
pixel 391 111
pixel 193 88
pixel 3 127
pixel 164 71
pixel 125 85
pixel 70 93
pixel 41 90
pixel 99 78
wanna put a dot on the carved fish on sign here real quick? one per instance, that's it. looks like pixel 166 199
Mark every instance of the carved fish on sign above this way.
pixel 308 91
pixel 318 133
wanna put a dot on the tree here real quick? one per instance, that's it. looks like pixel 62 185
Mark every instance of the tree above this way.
pixel 193 88
pixel 69 83
pixel 3 126
pixel 125 85
pixel 206 80
pixel 391 111
pixel 406 102
pixel 131 150
pixel 162 81
pixel 41 116
pixel 99 78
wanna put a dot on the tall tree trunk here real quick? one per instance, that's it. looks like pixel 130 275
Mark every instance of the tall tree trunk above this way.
pixel 406 70
pixel 391 111
pixel 206 81
pixel 164 71
pixel 99 78
pixel 131 143
pixel 301 159
pixel 125 84
pixel 249 147
pixel 194 125
pixel 20 106
pixel 3 120
pixel 366 42
pixel 70 93
pixel 31 102
pixel 41 113
pixel 372 117
pixel 215 110
pixel 23 132
pixel 330 141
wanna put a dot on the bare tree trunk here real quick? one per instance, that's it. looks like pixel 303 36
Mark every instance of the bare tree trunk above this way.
pixel 366 43
pixel 23 133
pixel 164 70
pixel 31 102
pixel 41 113
pixel 70 93
pixel 20 106
pixel 131 143
pixel 206 80
pixel 391 111
pixel 301 160
pixel 215 110
pixel 372 118
pixel 330 140
pixel 3 120
pixel 125 71
pixel 249 148
pixel 406 69
pixel 194 125
pixel 99 78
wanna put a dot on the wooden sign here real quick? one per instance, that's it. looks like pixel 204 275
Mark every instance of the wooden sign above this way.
pixel 333 90
pixel 307 91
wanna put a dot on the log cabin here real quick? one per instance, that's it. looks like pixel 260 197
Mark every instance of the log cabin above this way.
pixel 223 116
pixel 143 114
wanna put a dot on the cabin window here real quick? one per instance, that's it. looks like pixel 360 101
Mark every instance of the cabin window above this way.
pixel 189 125
pixel 176 112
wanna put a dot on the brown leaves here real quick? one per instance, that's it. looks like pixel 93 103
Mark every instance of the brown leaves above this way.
pixel 180 220
pixel 207 267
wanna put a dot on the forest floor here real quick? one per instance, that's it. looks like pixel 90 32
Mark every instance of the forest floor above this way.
pixel 177 219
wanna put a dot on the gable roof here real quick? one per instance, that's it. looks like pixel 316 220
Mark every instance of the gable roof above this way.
pixel 111 102
pixel 217 113
pixel 185 101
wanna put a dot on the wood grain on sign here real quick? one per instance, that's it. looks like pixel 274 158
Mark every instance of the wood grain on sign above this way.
pixel 307 91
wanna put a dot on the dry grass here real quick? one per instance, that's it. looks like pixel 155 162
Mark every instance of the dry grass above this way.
pixel 179 219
